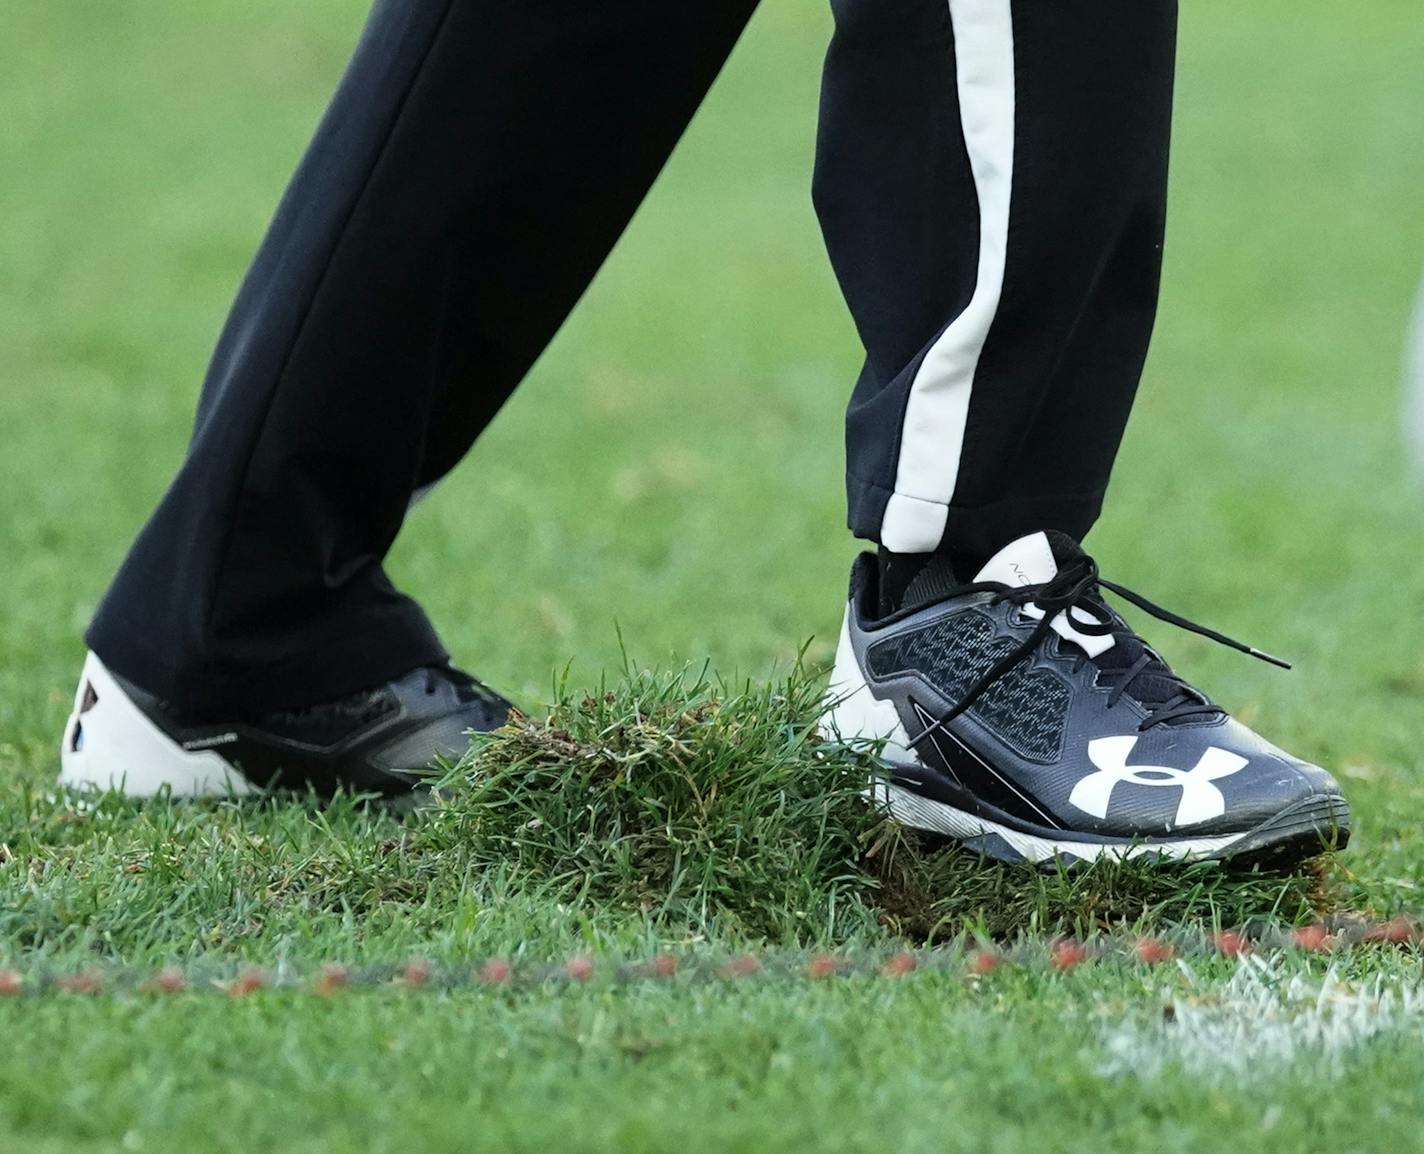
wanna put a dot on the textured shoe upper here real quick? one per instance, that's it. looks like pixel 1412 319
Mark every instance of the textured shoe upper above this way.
pixel 381 739
pixel 1025 690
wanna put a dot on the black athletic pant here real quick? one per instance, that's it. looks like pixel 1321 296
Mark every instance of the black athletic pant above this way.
pixel 991 180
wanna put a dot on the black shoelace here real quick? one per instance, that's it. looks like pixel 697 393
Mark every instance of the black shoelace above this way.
pixel 1078 585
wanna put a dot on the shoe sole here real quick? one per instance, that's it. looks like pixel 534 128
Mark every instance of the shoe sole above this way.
pixel 1308 828
pixel 110 744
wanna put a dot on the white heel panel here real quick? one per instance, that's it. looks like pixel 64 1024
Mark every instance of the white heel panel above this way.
pixel 854 712
pixel 112 745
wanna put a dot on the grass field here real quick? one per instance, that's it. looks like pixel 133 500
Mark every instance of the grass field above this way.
pixel 1261 490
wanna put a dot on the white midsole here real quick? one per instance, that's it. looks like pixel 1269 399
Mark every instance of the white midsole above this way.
pixel 113 745
pixel 924 813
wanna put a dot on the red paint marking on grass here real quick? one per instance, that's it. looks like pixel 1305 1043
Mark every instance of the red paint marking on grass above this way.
pixel 80 983
pixel 169 980
pixel 416 973
pixel 334 978
pixel 1068 953
pixel 663 966
pixel 741 967
pixel 495 971
pixel 1153 951
pixel 1312 937
pixel 247 983
pixel 1042 953
pixel 899 965
pixel 1396 932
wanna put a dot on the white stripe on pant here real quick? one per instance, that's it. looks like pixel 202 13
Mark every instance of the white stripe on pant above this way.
pixel 938 407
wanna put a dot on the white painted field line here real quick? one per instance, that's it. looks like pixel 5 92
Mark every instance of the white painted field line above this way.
pixel 1262 1022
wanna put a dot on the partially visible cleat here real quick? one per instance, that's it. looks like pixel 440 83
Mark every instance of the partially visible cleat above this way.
pixel 1020 715
pixel 384 740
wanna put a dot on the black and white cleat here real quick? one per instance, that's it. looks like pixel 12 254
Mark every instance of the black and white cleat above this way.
pixel 380 741
pixel 1022 716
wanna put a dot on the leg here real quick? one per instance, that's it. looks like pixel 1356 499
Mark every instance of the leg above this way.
pixel 991 179
pixel 478 162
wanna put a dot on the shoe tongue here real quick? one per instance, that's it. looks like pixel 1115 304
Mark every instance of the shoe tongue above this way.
pixel 1028 561
pixel 1034 560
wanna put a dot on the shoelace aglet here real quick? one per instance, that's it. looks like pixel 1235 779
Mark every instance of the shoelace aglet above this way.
pixel 1278 661
pixel 1182 623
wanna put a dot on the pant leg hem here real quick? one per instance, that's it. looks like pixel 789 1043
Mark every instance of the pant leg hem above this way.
pixel 365 656
pixel 980 530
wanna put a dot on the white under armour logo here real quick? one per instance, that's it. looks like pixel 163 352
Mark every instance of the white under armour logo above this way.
pixel 1201 801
